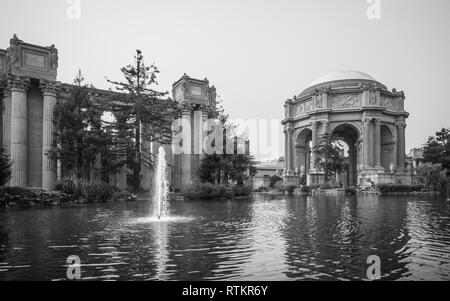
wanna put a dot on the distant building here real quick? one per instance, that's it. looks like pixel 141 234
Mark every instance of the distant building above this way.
pixel 266 170
pixel 414 159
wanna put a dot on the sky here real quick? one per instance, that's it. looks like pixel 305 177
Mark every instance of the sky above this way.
pixel 256 53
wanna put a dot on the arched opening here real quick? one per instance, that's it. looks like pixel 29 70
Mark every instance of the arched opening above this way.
pixel 303 154
pixel 387 147
pixel 348 137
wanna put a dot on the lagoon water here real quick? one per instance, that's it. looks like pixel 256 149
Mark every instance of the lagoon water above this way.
pixel 264 238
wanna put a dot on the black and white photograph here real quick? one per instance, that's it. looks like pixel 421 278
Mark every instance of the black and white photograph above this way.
pixel 206 142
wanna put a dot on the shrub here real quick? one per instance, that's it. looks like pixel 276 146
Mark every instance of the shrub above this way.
pixel 207 191
pixel 350 190
pixel 290 189
pixel 100 192
pixel 305 188
pixel 261 189
pixel 325 186
pixel 303 179
pixel 238 190
pixel 5 167
pixel 97 192
pixel 417 187
pixel 274 180
pixel 396 188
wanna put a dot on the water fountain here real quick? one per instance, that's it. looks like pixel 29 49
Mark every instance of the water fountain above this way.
pixel 160 203
pixel 160 198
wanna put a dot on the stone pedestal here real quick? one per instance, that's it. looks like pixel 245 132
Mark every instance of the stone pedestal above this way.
pixel 315 178
pixel 292 180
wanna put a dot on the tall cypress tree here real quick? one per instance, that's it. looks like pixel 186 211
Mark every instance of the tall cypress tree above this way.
pixel 140 107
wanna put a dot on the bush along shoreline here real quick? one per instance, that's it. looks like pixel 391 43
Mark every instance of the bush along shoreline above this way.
pixel 207 191
pixel 383 189
pixel 67 192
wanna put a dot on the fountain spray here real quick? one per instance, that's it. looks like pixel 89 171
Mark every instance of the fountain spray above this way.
pixel 161 185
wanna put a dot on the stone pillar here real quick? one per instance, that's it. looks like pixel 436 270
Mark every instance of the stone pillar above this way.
pixel 377 139
pixel 49 166
pixel 289 152
pixel 401 153
pixel 186 158
pixel 291 167
pixel 2 95
pixel 351 164
pixel 313 145
pixel 286 151
pixel 366 143
pixel 19 134
pixel 204 115
pixel 372 144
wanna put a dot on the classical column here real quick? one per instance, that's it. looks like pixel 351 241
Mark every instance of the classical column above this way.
pixel 366 143
pixel 18 87
pixel 203 132
pixel 2 95
pixel 401 153
pixel 49 166
pixel 291 152
pixel 377 150
pixel 313 145
pixel 186 158
pixel 286 151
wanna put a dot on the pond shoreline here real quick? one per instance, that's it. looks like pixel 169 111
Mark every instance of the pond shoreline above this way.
pixel 36 198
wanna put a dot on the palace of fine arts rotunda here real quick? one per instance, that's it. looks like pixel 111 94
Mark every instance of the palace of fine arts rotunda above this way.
pixel 363 113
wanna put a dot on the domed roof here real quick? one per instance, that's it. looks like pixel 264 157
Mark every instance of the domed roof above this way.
pixel 342 75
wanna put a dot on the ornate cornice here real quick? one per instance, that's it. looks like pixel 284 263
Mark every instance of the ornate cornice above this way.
pixel 18 83
pixel 50 87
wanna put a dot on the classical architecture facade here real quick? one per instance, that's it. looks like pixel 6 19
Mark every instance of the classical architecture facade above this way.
pixel 369 119
pixel 29 91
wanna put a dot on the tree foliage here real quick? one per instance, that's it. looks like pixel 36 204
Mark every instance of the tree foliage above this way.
pixel 141 113
pixel 78 132
pixel 437 149
pixel 431 175
pixel 225 167
pixel 5 167
pixel 329 157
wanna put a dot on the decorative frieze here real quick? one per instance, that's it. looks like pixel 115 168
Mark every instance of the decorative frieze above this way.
pixel 346 101
pixel 303 108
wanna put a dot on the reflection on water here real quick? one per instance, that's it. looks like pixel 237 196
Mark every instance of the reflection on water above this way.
pixel 267 238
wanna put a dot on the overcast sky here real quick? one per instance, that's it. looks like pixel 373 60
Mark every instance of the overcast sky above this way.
pixel 257 53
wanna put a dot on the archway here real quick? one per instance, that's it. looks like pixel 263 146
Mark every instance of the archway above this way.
pixel 387 147
pixel 349 135
pixel 303 153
